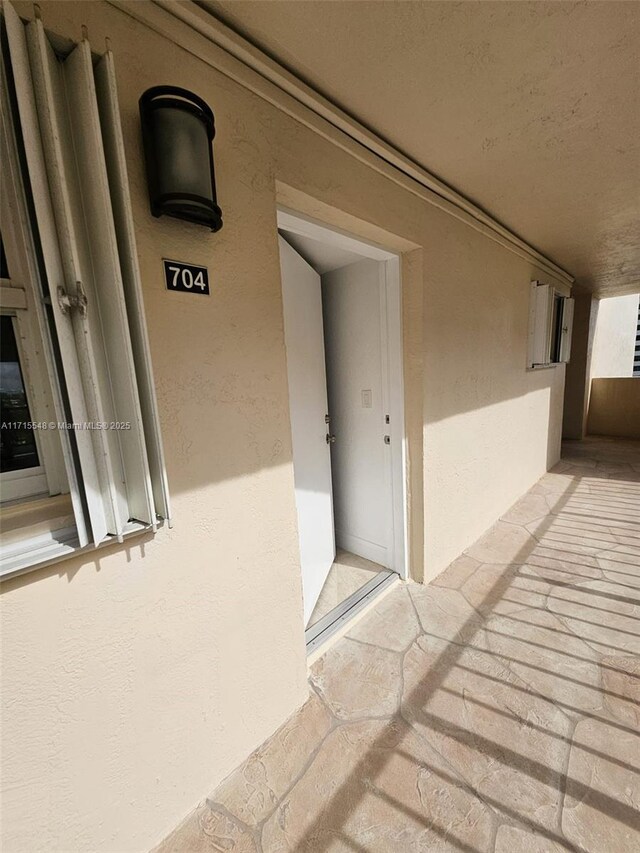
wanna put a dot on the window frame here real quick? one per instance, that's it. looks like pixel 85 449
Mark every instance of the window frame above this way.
pixel 550 326
pixel 24 482
pixel 20 299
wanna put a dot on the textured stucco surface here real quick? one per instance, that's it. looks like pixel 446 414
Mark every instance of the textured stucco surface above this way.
pixel 133 681
pixel 529 109
pixel 614 407
pixel 577 376
pixel 614 340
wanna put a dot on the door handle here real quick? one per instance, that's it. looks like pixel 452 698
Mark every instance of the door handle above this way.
pixel 331 439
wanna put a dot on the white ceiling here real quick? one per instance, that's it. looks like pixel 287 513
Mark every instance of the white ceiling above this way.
pixel 529 109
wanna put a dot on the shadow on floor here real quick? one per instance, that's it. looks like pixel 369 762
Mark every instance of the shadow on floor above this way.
pixel 497 708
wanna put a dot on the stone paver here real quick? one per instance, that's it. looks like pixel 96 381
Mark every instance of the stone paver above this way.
pixel 502 543
pixel 508 743
pixel 496 709
pixel 393 624
pixel 457 573
pixel 557 664
pixel 604 614
pixel 505 589
pixel 444 613
pixel 512 839
pixel 252 791
pixel 207 831
pixel 621 688
pixel 602 803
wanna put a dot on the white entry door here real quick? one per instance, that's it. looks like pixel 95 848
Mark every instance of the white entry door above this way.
pixel 357 371
pixel 306 371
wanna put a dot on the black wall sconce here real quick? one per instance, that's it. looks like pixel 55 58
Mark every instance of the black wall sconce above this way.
pixel 177 132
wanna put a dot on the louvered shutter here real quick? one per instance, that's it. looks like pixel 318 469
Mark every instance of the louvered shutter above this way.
pixel 567 329
pixel 73 140
pixel 540 324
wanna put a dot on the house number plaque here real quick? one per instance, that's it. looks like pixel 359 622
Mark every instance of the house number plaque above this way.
pixel 186 278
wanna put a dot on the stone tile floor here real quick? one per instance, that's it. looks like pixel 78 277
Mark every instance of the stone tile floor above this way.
pixel 496 709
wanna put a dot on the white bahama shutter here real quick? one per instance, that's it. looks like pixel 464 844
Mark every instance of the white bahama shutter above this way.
pixel 540 324
pixel 567 329
pixel 23 83
pixel 125 234
pixel 73 141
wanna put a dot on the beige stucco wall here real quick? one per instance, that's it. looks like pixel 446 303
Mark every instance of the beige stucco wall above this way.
pixel 615 337
pixel 577 377
pixel 135 679
pixel 614 407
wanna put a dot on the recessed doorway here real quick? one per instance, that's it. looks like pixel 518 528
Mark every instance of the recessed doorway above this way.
pixel 342 319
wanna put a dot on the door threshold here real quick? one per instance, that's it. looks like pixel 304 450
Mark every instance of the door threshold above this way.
pixel 335 619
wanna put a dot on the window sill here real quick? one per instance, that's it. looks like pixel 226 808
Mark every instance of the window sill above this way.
pixel 49 548
pixel 31 517
pixel 533 367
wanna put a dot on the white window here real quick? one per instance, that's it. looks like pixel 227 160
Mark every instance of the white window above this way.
pixel 77 358
pixel 550 326
pixel 21 472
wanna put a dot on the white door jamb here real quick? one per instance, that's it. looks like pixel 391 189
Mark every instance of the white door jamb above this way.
pixel 393 382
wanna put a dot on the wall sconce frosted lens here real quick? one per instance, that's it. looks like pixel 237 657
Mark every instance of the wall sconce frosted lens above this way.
pixel 177 131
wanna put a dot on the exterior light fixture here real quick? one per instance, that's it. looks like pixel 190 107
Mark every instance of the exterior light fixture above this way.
pixel 177 132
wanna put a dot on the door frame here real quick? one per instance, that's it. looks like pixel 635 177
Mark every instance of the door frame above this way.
pixel 391 336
